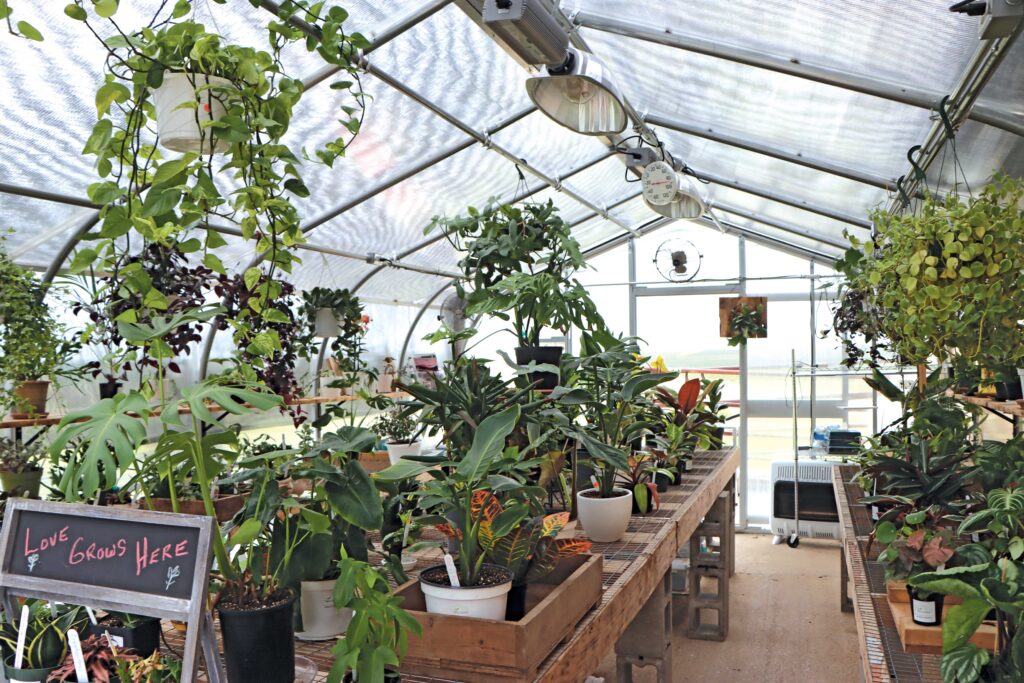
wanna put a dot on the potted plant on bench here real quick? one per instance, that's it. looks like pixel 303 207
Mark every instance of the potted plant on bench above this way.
pixel 20 467
pixel 399 433
pixel 45 640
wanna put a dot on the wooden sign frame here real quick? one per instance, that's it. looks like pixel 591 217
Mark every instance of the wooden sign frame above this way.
pixel 194 610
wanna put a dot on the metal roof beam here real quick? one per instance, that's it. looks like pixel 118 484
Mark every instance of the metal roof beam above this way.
pixel 887 90
pixel 855 175
pixel 779 225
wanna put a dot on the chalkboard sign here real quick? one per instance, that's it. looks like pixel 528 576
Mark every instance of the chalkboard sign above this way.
pixel 119 559
pixel 126 554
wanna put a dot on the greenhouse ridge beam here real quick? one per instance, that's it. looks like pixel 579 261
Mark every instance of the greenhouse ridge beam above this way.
pixel 855 175
pixel 915 97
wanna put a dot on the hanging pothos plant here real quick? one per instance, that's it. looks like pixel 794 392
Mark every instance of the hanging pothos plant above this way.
pixel 242 102
pixel 948 282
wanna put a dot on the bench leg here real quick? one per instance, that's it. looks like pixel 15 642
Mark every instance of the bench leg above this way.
pixel 648 640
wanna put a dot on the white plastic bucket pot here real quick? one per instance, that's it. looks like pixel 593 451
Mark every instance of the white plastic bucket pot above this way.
pixel 178 127
pixel 320 619
pixel 480 602
pixel 604 520
pixel 397 451
pixel 327 323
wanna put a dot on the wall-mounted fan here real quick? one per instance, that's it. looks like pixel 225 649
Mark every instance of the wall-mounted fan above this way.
pixel 678 260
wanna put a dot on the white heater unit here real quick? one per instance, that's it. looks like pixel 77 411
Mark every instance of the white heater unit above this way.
pixel 818 515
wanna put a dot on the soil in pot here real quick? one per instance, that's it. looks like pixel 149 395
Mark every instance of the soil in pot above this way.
pixel 21 484
pixel 925 611
pixel 34 393
pixel 25 675
pixel 551 355
pixel 144 638
pixel 488 599
pixel 259 640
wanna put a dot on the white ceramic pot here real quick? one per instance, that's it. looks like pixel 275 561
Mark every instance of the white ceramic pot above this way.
pixel 385 384
pixel 604 520
pixel 480 602
pixel 178 127
pixel 326 323
pixel 397 451
pixel 320 619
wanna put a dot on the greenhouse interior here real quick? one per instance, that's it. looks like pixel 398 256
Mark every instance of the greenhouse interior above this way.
pixel 502 341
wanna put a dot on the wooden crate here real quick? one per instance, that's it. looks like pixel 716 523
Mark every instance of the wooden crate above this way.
pixel 927 640
pixel 482 650
pixel 896 591
pixel 728 304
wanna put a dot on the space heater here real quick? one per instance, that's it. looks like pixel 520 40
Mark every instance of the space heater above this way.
pixel 819 517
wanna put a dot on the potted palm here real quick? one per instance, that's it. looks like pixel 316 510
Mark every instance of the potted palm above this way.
pixel 399 433
pixel 20 467
pixel 464 490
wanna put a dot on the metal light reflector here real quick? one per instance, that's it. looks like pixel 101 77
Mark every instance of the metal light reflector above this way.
pixel 580 95
pixel 688 205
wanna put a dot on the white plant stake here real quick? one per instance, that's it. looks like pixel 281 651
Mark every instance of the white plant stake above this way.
pixel 22 633
pixel 76 655
pixel 92 615
pixel 453 576
pixel 405 535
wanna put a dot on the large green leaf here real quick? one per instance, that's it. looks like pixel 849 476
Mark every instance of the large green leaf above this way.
pixel 405 469
pixel 962 621
pixel 963 665
pixel 231 399
pixel 113 429
pixel 609 457
pixel 356 498
pixel 488 444
pixel 638 384
pixel 348 439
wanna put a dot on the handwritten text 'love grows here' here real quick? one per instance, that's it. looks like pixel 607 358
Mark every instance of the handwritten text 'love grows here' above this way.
pixel 80 550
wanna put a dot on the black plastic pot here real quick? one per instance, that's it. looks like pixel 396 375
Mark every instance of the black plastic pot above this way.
pixel 389 677
pixel 144 638
pixel 540 354
pixel 259 645
pixel 662 481
pixel 1008 391
pixel 650 505
pixel 109 389
pixel 515 608
pixel 25 674
pixel 925 611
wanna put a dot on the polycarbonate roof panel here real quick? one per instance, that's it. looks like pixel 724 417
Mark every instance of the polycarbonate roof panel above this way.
pixel 845 127
pixel 554 150
pixel 603 184
pixel 569 209
pixel 727 198
pixel 596 231
pixel 982 151
pixel 39 227
pixel 781 237
pixel 448 59
pixel 397 135
pixel 1005 89
pixel 914 42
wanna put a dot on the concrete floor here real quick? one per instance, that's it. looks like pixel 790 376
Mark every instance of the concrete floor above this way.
pixel 785 623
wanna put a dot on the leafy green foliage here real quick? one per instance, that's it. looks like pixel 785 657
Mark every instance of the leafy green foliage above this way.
pixel 746 322
pixel 45 639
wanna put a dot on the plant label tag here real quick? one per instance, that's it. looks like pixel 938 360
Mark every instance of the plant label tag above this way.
pixel 116 641
pixel 924 611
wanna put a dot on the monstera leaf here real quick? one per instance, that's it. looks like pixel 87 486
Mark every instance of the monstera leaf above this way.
pixel 229 398
pixel 113 429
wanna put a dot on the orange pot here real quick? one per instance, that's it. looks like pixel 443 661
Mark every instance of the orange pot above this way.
pixel 34 393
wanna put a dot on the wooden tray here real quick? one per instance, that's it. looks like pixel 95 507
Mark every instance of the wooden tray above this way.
pixel 927 640
pixel 482 650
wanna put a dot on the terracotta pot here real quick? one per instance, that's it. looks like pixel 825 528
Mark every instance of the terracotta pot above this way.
pixel 225 506
pixel 33 392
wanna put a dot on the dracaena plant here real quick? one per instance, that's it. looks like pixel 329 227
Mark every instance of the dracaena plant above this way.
pixel 609 385
pixel 464 488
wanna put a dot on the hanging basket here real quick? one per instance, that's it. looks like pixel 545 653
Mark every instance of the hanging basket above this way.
pixel 178 125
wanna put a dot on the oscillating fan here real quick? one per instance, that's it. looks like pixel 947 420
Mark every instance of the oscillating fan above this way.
pixel 678 260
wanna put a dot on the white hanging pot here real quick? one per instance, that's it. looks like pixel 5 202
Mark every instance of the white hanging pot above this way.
pixel 327 323
pixel 480 602
pixel 179 126
pixel 397 451
pixel 604 520
pixel 320 619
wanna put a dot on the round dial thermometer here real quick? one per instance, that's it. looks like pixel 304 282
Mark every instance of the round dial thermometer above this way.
pixel 660 183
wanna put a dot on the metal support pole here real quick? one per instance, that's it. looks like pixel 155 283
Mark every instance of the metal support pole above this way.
pixel 416 321
pixel 744 417
pixel 814 356
pixel 632 287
